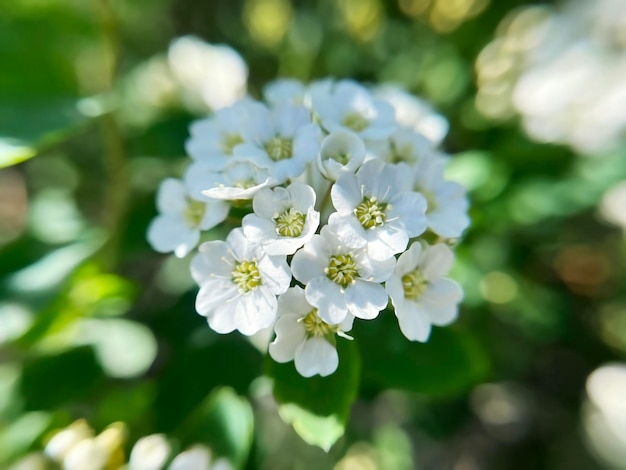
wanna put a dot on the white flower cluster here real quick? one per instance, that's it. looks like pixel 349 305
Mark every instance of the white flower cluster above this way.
pixel 561 69
pixel 340 196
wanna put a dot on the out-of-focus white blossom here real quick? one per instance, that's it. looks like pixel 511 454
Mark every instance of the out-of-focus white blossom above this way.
pixel 414 113
pixel 215 73
pixel 348 106
pixel 562 69
pixel 182 218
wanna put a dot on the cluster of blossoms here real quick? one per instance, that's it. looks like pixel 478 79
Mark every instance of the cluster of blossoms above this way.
pixel 77 447
pixel 341 186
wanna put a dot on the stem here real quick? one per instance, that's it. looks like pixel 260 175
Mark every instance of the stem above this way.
pixel 117 193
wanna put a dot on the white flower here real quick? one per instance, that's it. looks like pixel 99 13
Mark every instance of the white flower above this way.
pixel 340 280
pixel 88 454
pixel 216 73
pixel 149 453
pixel 284 219
pixel 283 140
pixel 63 441
pixel 349 106
pixel 447 200
pixel 414 113
pixel 238 282
pixel 303 337
pixel 375 210
pixel 421 296
pixel 341 151
pixel 284 91
pixel 198 457
pixel 238 180
pixel 405 145
pixel 214 139
pixel 181 218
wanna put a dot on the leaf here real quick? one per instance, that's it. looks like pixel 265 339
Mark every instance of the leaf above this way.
pixel 448 364
pixel 225 423
pixel 54 380
pixel 193 373
pixel 26 127
pixel 318 407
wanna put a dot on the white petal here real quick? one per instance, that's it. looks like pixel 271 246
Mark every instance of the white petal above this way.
pixel 310 261
pixel 442 291
pixel 374 270
pixel 414 322
pixel 302 196
pixel 215 213
pixel 254 311
pixel 275 273
pixel 328 298
pixel 346 194
pixel 409 260
pixel 366 299
pixel 410 208
pixel 437 261
pixel 294 303
pixel 316 356
pixel 268 203
pixel 259 230
pixel 386 241
pixel 213 260
pixel 172 196
pixel 348 230
pixel 170 232
pixel 290 334
pixel 214 294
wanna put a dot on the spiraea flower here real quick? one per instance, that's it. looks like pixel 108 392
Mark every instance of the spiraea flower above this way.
pixel 341 151
pixel 182 218
pixel 341 280
pixel 374 211
pixel 283 140
pixel 348 106
pixel 304 337
pixel 239 283
pixel 327 185
pixel 420 293
pixel 238 180
pixel 447 201
pixel 284 219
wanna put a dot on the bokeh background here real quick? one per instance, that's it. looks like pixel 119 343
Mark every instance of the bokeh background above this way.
pixel 95 100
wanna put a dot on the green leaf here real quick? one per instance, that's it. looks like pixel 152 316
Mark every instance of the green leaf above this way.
pixel 318 407
pixel 51 381
pixel 27 126
pixel 448 364
pixel 225 423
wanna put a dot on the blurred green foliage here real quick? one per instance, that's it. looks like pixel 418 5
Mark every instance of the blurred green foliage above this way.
pixel 95 325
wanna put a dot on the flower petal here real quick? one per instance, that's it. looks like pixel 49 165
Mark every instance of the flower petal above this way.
pixel 328 298
pixel 316 356
pixel 366 299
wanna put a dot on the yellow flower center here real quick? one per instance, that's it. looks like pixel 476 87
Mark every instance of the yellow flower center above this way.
pixel 342 270
pixel 194 213
pixel 355 121
pixel 371 213
pixel 279 148
pixel 315 326
pixel 244 183
pixel 229 142
pixel 290 223
pixel 414 284
pixel 246 276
